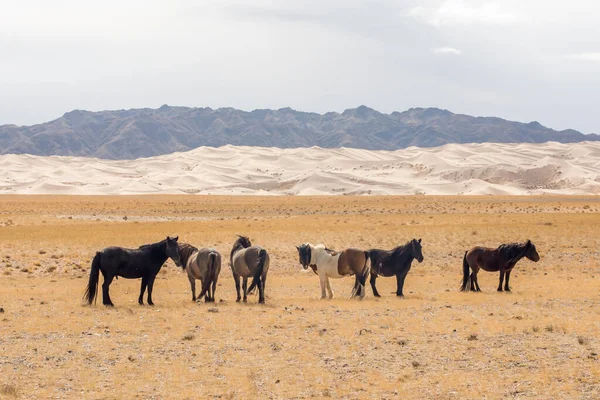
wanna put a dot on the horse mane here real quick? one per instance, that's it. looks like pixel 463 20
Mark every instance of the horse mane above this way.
pixel 185 251
pixel 238 244
pixel 152 246
pixel 512 252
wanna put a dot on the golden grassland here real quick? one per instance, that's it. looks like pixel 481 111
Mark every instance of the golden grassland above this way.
pixel 540 341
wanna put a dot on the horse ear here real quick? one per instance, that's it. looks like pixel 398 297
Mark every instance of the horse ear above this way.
pixel 419 240
pixel 298 247
pixel 176 238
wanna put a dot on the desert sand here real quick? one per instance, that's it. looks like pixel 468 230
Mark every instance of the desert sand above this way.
pixel 498 169
pixel 539 342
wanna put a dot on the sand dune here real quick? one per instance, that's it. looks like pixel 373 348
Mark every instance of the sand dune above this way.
pixel 451 169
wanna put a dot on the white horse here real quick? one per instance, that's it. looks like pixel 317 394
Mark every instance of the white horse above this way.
pixel 332 264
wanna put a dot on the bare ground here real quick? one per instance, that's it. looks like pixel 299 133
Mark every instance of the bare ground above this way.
pixel 540 341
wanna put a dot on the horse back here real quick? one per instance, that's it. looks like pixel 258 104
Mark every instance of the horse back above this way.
pixel 382 263
pixel 485 258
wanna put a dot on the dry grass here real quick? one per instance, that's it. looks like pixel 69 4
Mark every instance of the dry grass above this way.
pixel 436 343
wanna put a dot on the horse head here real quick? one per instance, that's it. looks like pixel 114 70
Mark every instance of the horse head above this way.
pixel 172 250
pixel 304 255
pixel 243 241
pixel 531 252
pixel 417 250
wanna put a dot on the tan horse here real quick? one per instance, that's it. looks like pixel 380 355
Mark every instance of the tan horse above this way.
pixel 249 261
pixel 332 264
pixel 203 264
pixel 503 259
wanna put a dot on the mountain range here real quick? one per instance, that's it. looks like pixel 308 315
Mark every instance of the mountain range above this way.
pixel 135 133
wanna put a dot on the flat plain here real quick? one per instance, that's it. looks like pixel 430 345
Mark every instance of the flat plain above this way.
pixel 540 341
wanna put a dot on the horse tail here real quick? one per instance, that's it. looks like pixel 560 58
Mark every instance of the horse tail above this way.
pixel 465 282
pixel 367 267
pixel 361 279
pixel 91 291
pixel 262 257
pixel 210 273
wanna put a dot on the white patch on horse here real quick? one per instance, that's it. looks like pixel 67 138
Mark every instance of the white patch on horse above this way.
pixel 326 263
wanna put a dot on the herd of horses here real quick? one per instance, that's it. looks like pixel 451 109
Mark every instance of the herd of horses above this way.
pixel 249 261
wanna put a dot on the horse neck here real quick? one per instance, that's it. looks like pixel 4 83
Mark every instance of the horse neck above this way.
pixel 157 250
pixel 522 249
pixel 185 252
pixel 319 254
pixel 403 253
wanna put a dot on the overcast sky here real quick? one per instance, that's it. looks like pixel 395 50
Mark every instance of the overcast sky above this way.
pixel 517 59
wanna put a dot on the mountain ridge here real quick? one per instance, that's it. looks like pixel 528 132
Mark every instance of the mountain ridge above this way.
pixel 146 132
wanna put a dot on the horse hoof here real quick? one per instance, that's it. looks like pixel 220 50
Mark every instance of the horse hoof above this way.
pixel 151 304
pixel 499 290
pixel 377 295
pixel 109 304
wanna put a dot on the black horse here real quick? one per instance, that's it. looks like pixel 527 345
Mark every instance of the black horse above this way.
pixel 394 262
pixel 144 262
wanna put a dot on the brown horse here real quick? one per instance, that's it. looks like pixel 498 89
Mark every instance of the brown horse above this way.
pixel 502 259
pixel 203 264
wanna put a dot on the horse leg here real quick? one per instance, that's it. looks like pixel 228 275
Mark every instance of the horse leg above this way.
pixel 372 281
pixel 261 292
pixel 363 289
pixel 475 281
pixel 501 280
pixel 329 290
pixel 323 282
pixel 105 296
pixel 399 284
pixel 263 282
pixel 142 290
pixel 193 286
pixel 506 287
pixel 245 288
pixel 150 287
pixel 236 278
pixel 214 287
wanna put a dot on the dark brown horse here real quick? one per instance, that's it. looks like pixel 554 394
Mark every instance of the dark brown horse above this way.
pixel 502 259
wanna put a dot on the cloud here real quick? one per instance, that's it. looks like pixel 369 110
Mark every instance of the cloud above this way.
pixel 447 50
pixel 456 12
pixel 585 56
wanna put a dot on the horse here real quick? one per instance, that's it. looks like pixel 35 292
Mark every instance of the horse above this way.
pixel 249 261
pixel 144 262
pixel 394 262
pixel 501 259
pixel 329 263
pixel 203 264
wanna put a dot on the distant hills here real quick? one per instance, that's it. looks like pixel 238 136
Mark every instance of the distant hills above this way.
pixel 129 134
